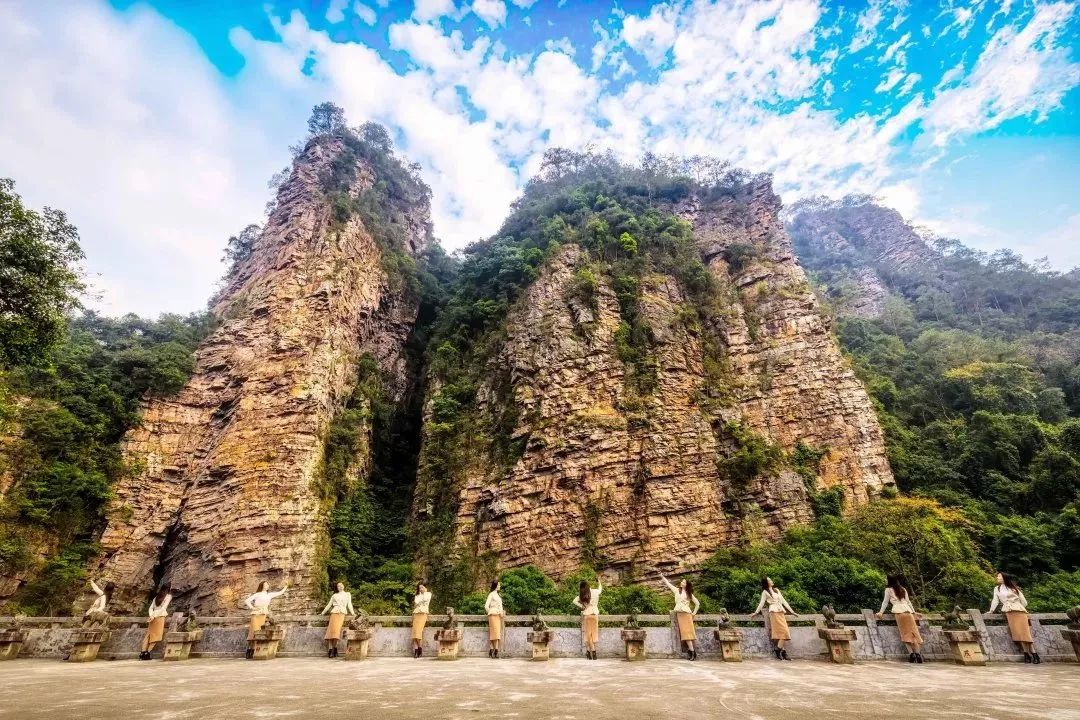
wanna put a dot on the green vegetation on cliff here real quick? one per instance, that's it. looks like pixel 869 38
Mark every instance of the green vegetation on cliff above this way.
pixel 974 366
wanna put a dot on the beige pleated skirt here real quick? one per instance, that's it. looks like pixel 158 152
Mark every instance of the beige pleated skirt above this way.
pixel 155 630
pixel 908 626
pixel 778 629
pixel 255 625
pixel 1019 627
pixel 591 624
pixel 333 628
pixel 685 622
pixel 419 622
pixel 495 624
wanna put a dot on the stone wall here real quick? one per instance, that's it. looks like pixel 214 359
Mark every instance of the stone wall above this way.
pixel 224 492
pixel 227 637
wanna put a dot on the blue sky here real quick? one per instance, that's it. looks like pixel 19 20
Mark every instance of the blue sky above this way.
pixel 155 124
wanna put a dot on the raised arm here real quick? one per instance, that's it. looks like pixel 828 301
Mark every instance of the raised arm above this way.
pixel 577 602
pixel 670 587
pixel 95 588
pixel 279 592
pixel 599 584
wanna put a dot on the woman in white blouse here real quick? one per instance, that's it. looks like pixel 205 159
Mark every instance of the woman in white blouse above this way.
pixel 777 607
pixel 421 605
pixel 159 610
pixel 494 608
pixel 339 606
pixel 588 599
pixel 259 605
pixel 97 611
pixel 686 607
pixel 1013 603
pixel 907 620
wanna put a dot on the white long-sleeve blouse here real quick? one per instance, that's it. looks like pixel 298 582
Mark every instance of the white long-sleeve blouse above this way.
pixel 421 603
pixel 1009 599
pixel 775 601
pixel 593 606
pixel 899 605
pixel 100 601
pixel 682 602
pixel 161 610
pixel 259 603
pixel 493 605
pixel 340 602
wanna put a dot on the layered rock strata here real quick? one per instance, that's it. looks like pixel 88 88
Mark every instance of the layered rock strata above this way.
pixel 636 484
pixel 224 488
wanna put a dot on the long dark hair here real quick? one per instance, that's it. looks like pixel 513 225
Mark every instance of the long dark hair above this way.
pixel 584 592
pixel 896 582
pixel 418 586
pixel 163 593
pixel 765 583
pixel 109 587
pixel 689 590
pixel 1009 581
pixel 263 585
pixel 494 584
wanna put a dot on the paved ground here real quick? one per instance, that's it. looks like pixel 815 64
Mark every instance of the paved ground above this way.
pixel 566 688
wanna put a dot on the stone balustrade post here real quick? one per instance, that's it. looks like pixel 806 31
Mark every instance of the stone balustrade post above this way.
pixel 984 634
pixel 877 645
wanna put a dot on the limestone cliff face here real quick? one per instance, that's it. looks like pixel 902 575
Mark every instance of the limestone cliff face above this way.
pixel 223 492
pixel 637 483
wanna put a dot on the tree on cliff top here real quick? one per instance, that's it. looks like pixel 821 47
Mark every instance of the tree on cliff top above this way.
pixel 40 277
pixel 326 118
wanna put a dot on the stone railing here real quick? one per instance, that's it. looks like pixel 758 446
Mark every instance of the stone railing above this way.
pixel 875 640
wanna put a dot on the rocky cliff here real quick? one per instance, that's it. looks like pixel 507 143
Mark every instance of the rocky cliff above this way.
pixel 858 245
pixel 225 489
pixel 727 415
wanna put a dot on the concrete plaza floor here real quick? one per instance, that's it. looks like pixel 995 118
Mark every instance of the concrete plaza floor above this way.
pixel 565 688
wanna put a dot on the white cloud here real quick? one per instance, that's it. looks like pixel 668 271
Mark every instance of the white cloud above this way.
pixel 891 80
pixel 492 12
pixel 1022 71
pixel 432 9
pixel 335 11
pixel 119 120
pixel 654 35
pixel 365 13
pixel 867 25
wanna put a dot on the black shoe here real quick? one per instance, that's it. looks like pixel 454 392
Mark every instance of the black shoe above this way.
pixel 249 654
pixel 1036 659
pixel 144 655
pixel 329 652
pixel 496 653
pixel 491 652
pixel 1027 658
pixel 911 657
pixel 695 656
pixel 918 658
pixel 783 655
pixel 776 652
